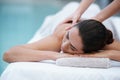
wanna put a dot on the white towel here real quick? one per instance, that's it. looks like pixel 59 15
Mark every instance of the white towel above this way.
pixel 84 62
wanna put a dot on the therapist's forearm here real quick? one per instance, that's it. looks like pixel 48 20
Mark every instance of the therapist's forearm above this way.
pixel 110 10
pixel 84 4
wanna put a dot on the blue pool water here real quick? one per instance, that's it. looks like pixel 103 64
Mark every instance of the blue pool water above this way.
pixel 18 23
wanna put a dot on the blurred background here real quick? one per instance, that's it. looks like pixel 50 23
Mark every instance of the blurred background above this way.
pixel 19 20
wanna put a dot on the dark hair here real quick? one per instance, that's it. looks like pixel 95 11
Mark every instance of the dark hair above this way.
pixel 94 35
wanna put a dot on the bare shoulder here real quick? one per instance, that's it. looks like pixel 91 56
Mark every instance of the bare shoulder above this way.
pixel 61 29
pixel 51 42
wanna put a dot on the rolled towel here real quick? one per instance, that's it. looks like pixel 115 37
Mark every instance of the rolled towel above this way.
pixel 84 62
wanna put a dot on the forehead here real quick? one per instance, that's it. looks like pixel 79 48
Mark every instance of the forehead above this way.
pixel 75 38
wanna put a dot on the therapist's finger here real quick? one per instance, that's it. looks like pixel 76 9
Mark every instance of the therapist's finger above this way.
pixel 67 20
pixel 68 28
pixel 75 20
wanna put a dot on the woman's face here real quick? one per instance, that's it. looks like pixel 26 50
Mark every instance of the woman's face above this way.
pixel 72 42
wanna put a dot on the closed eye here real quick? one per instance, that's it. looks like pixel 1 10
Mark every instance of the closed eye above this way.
pixel 73 48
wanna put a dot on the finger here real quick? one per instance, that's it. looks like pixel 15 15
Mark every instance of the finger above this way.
pixel 68 28
pixel 75 20
pixel 67 20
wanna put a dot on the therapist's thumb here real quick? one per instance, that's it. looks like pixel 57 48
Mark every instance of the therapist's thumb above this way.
pixel 75 20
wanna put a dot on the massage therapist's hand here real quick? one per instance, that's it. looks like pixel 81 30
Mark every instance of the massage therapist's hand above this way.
pixel 72 21
pixel 74 18
pixel 76 15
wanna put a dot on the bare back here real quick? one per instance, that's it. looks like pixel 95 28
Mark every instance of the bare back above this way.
pixel 51 42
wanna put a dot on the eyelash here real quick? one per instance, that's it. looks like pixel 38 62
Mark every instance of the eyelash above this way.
pixel 71 48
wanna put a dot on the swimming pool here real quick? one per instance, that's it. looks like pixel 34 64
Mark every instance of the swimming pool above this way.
pixel 19 21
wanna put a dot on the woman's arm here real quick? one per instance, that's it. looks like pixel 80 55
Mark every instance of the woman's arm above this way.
pixel 115 45
pixel 111 51
pixel 111 54
pixel 108 11
pixel 36 51
pixel 24 54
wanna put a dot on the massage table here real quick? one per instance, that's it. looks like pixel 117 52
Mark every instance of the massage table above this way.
pixel 48 70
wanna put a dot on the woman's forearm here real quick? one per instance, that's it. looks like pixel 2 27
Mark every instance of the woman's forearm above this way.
pixel 111 54
pixel 115 45
pixel 115 55
pixel 18 54
pixel 23 54
pixel 110 10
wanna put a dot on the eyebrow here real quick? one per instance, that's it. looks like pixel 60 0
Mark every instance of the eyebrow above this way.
pixel 72 47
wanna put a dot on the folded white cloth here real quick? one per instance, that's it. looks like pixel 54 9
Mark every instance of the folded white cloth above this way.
pixel 84 62
pixel 87 62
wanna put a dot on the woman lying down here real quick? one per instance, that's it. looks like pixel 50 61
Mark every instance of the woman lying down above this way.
pixel 88 38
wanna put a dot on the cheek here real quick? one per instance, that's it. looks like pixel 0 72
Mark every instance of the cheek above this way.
pixel 63 40
pixel 65 46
